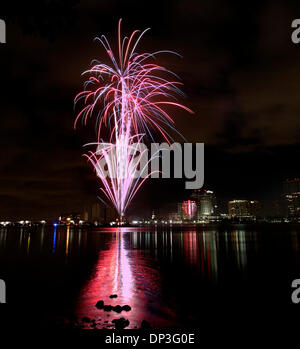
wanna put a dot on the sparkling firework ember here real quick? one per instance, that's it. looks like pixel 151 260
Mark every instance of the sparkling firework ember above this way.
pixel 128 98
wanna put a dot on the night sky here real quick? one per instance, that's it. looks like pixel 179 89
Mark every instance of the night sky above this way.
pixel 241 75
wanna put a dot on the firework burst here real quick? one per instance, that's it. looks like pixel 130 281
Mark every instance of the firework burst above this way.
pixel 128 97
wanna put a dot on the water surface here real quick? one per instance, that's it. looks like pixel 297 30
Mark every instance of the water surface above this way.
pixel 171 277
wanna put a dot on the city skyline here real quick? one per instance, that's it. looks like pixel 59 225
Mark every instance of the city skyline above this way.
pixel 200 205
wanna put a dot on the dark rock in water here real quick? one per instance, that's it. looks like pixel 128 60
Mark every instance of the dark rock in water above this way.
pixel 100 305
pixel 113 296
pixel 117 309
pixel 108 308
pixel 120 324
pixel 145 325
pixel 126 307
pixel 86 319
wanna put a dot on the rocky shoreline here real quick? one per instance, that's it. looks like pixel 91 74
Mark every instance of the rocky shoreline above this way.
pixel 97 324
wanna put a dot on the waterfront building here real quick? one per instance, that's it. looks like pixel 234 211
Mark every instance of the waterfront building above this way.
pixel 244 209
pixel 238 208
pixel 99 213
pixel 291 196
pixel 206 204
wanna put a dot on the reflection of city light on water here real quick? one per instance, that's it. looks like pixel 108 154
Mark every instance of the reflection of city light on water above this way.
pixel 239 239
pixel 202 250
pixel 67 240
pixel 54 239
pixel 28 243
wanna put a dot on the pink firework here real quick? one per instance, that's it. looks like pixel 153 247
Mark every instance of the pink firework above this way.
pixel 128 98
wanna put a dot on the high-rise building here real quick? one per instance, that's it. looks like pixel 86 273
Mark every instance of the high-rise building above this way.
pixel 244 208
pixel 206 203
pixel 189 209
pixel 153 215
pixel 238 208
pixel 254 208
pixel 99 213
pixel 291 195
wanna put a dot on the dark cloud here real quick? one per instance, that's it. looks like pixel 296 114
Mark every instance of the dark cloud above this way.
pixel 240 72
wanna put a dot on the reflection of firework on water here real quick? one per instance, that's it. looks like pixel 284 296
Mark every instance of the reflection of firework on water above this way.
pixel 128 97
pixel 189 208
